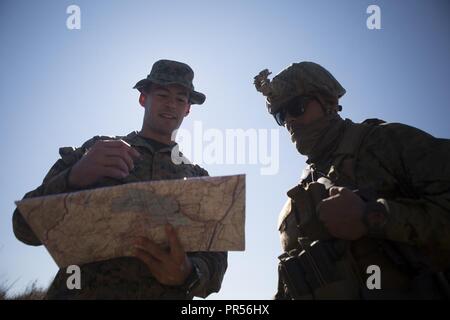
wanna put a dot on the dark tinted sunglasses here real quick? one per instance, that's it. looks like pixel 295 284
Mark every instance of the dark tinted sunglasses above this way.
pixel 294 107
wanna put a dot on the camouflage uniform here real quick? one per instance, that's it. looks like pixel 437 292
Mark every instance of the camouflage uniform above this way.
pixel 127 277
pixel 123 278
pixel 400 167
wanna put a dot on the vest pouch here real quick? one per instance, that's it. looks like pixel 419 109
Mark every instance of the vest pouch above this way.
pixel 319 271
pixel 305 201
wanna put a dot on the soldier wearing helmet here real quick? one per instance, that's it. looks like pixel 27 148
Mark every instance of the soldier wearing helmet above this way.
pixel 370 216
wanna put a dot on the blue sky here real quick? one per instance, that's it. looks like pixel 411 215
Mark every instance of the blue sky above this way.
pixel 60 87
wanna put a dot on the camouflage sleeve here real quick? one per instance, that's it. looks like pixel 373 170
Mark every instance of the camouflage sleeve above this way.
pixel 212 265
pixel 420 163
pixel 56 181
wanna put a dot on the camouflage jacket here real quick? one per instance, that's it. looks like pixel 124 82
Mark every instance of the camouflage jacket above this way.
pixel 124 278
pixel 409 172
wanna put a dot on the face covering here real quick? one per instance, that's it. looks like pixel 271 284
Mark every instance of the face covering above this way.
pixel 309 138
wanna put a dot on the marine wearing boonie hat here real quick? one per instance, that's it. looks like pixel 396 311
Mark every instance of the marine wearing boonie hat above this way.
pixel 166 72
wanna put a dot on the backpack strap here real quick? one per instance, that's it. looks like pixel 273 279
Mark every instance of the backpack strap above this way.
pixel 352 140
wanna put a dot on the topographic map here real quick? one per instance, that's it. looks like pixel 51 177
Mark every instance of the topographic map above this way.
pixel 98 224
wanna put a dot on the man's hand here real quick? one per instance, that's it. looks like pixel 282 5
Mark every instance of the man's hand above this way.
pixel 106 158
pixel 342 214
pixel 170 268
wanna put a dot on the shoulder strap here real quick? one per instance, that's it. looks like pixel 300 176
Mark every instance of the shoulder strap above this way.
pixel 353 138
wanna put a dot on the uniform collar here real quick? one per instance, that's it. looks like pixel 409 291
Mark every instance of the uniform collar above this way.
pixel 135 139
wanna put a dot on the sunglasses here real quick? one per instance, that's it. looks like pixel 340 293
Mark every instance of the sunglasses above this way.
pixel 294 107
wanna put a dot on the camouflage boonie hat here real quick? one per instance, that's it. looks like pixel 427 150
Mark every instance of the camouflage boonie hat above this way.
pixel 304 78
pixel 165 72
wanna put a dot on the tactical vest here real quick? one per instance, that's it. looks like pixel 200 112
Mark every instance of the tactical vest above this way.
pixel 315 265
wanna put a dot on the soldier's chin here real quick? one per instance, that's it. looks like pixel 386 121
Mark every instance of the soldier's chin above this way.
pixel 295 142
pixel 293 138
pixel 171 127
pixel 298 147
pixel 165 130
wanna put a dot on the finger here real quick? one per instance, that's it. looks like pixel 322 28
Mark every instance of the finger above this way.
pixel 153 249
pixel 134 153
pixel 115 143
pixel 112 172
pixel 120 153
pixel 335 191
pixel 176 248
pixel 116 162
pixel 120 144
pixel 324 209
pixel 153 265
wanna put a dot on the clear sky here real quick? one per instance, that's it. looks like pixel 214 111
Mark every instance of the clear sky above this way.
pixel 60 87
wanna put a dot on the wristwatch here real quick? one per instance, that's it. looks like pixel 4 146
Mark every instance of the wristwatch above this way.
pixel 375 218
pixel 192 280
